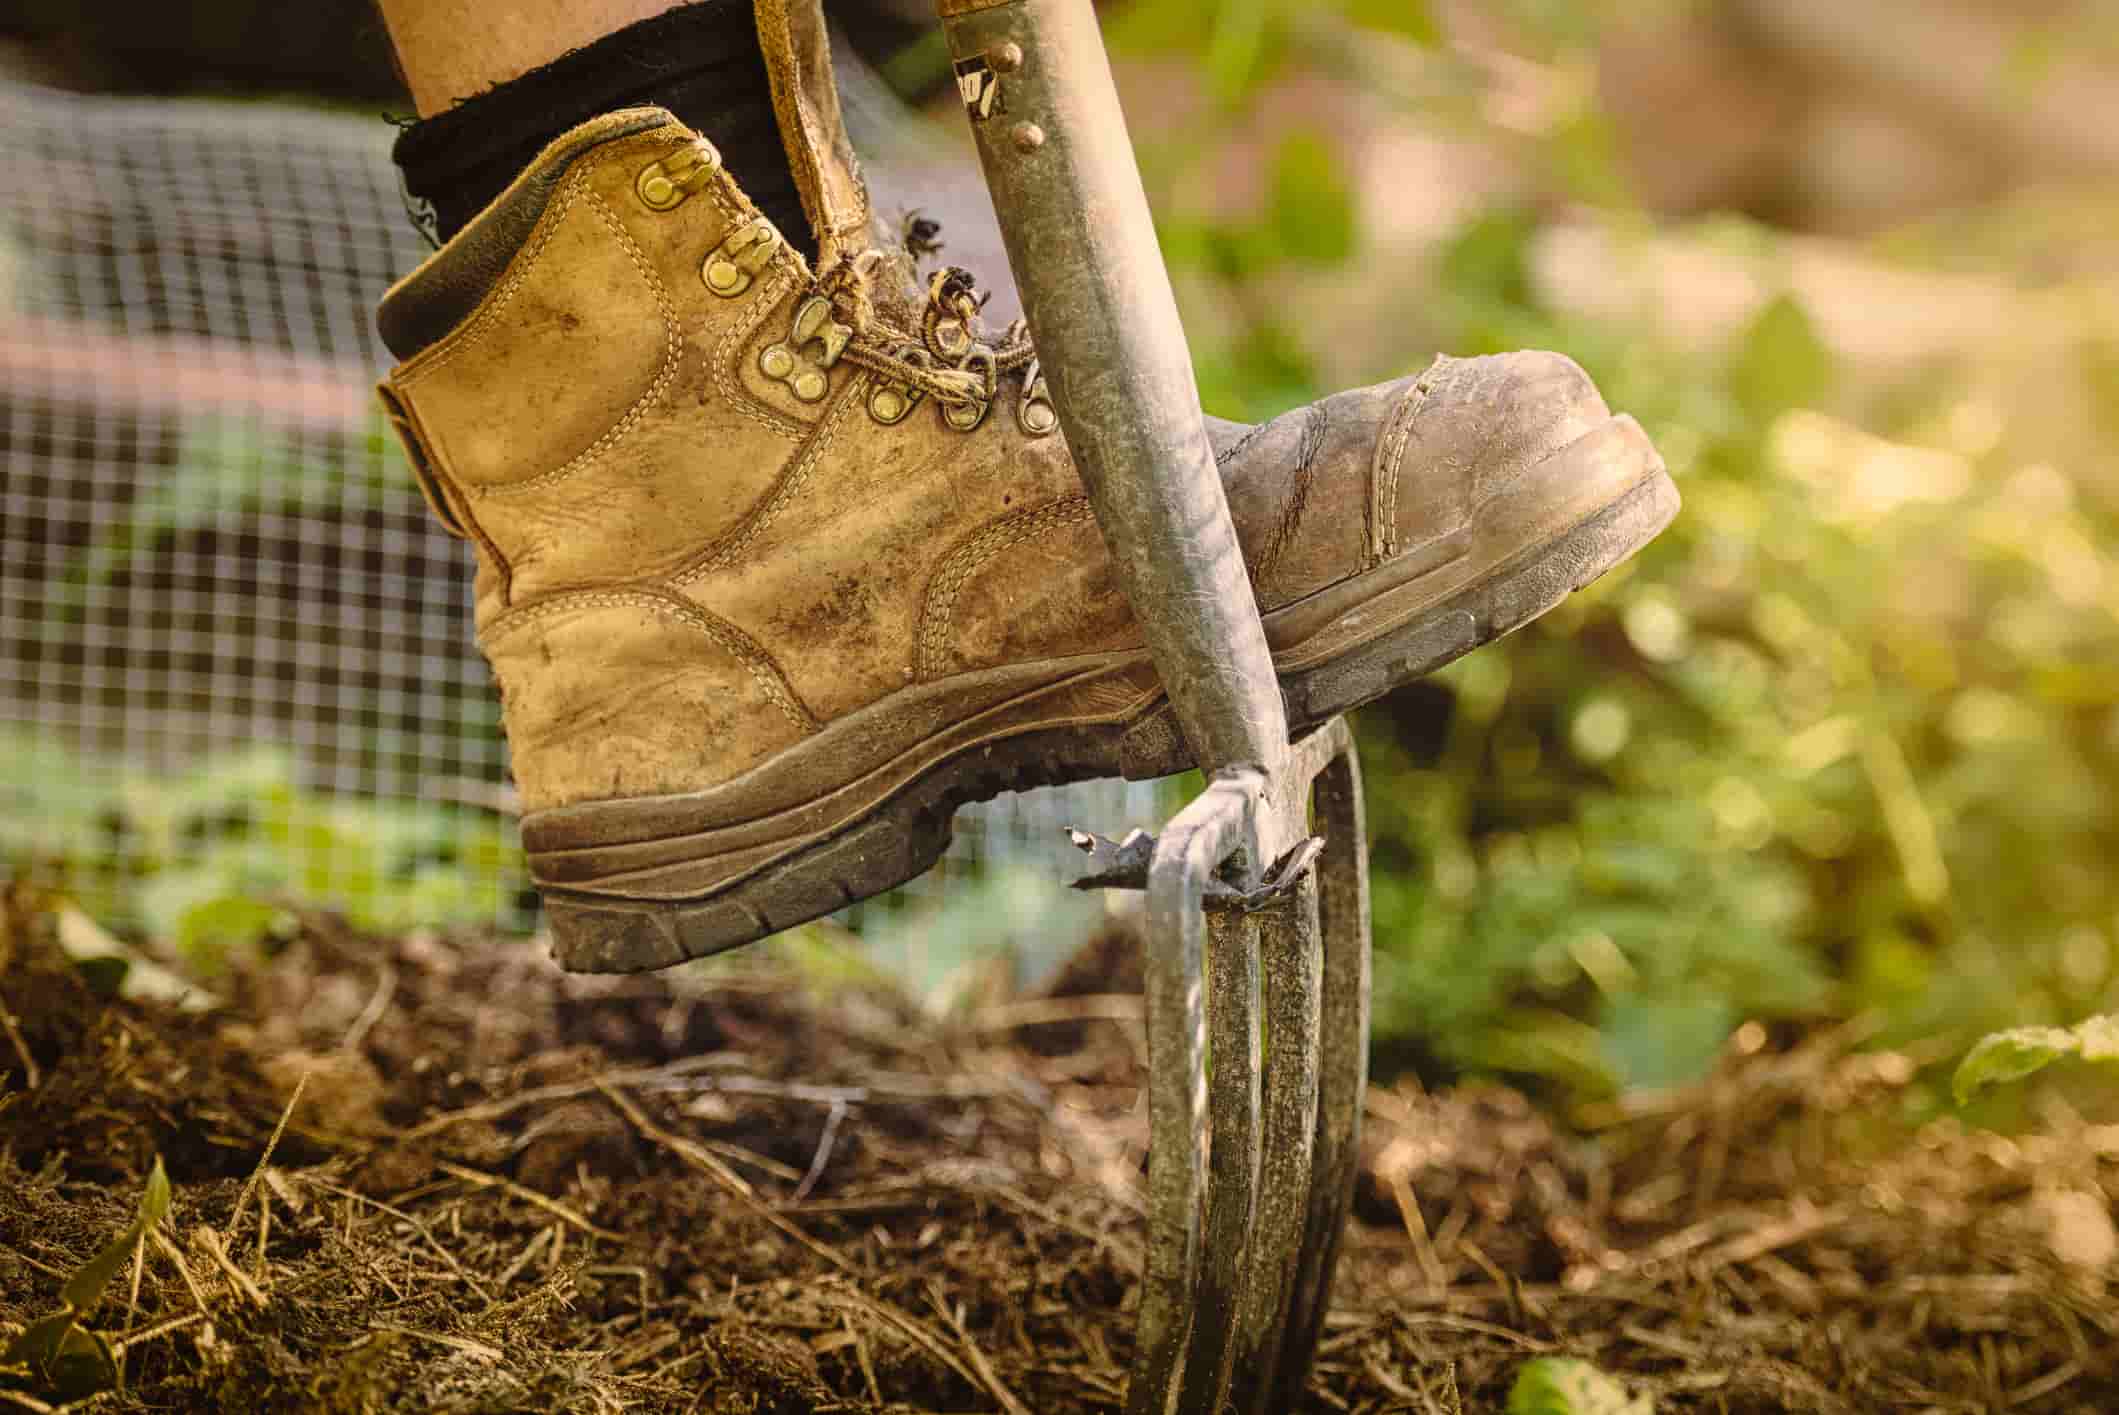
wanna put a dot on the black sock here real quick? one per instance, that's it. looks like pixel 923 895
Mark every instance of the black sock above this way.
pixel 702 62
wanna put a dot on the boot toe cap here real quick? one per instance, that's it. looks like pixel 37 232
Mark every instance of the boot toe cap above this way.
pixel 1466 427
pixel 1340 486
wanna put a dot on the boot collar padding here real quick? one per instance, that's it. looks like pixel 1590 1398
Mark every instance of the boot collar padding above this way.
pixel 421 309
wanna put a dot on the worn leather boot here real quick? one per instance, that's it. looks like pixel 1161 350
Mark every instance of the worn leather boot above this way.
pixel 776 569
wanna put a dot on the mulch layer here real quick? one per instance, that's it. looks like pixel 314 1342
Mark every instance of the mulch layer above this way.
pixel 500 1189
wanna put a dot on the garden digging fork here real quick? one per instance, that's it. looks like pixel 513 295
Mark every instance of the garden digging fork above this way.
pixel 1258 930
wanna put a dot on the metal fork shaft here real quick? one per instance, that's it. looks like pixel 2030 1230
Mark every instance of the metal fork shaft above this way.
pixel 1082 245
pixel 1060 167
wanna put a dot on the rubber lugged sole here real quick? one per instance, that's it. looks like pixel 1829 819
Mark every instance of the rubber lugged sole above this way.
pixel 905 834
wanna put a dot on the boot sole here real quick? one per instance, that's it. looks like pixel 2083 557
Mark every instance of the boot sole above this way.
pixel 631 886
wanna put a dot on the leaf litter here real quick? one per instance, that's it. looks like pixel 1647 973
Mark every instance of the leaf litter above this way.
pixel 500 1189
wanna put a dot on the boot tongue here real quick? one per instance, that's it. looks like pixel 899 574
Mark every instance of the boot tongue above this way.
pixel 797 48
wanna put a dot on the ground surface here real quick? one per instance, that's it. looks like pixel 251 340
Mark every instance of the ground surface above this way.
pixel 501 1190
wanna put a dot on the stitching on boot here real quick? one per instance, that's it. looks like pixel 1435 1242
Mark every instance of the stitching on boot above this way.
pixel 967 559
pixel 770 680
pixel 735 207
pixel 1383 498
pixel 481 324
pixel 672 355
pixel 790 484
pixel 435 482
pixel 1316 425
pixel 1240 446
pixel 730 352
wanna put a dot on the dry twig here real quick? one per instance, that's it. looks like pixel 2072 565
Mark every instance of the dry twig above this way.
pixel 697 1156
pixel 529 1196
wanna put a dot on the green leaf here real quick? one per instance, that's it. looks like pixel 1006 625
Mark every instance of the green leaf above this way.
pixel 85 1288
pixel 1582 152
pixel 1555 1385
pixel 1312 202
pixel 82 1365
pixel 1409 19
pixel 1242 45
pixel 1656 1041
pixel 223 924
pixel 59 1358
pixel 1540 1042
pixel 105 976
pixel 1781 362
pixel 56 1353
pixel 155 1198
pixel 1155 27
pixel 39 1344
pixel 113 968
pixel 1489 258
pixel 2022 1051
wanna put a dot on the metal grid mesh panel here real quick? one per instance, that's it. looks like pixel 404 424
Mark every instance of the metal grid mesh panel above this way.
pixel 235 651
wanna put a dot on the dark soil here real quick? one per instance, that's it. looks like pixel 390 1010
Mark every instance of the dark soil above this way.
pixel 504 1190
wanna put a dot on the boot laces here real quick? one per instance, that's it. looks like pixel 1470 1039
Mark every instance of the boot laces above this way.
pixel 951 355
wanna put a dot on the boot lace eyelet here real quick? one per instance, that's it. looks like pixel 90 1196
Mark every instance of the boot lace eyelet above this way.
pixel 734 265
pixel 668 182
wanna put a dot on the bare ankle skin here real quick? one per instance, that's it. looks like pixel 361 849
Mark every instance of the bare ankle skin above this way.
pixel 451 50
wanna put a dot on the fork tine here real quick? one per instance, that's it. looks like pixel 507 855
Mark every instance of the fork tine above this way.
pixel 1269 1150
pixel 1196 842
pixel 1343 906
pixel 1293 962
pixel 1233 1162
pixel 1177 1119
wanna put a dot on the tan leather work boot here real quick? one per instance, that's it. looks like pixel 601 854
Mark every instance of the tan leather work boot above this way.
pixel 776 571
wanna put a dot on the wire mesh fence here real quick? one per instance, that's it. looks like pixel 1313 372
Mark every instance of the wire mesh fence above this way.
pixel 236 656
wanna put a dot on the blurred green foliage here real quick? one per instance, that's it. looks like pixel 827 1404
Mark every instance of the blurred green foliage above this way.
pixel 225 468
pixel 2002 1057
pixel 1844 741
pixel 1557 1385
pixel 207 859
